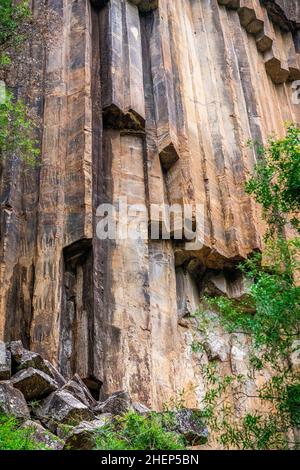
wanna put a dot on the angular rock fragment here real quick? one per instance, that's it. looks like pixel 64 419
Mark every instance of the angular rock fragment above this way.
pixel 23 359
pixel 215 341
pixel 140 408
pixel 117 404
pixel 32 359
pixel 5 362
pixel 216 346
pixel 12 401
pixel 16 348
pixel 189 424
pixel 55 374
pixel 62 408
pixel 43 436
pixel 187 293
pixel 83 437
pixel 239 354
pixel 233 284
pixel 34 384
pixel 79 390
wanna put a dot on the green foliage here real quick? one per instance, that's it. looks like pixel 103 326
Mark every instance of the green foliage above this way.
pixel 12 437
pixel 12 16
pixel 177 402
pixel 291 403
pixel 135 432
pixel 17 128
pixel 269 314
pixel 267 429
pixel 276 181
pixel 16 131
pixel 256 432
pixel 274 296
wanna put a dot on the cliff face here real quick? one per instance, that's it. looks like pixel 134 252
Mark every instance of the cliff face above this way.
pixel 154 101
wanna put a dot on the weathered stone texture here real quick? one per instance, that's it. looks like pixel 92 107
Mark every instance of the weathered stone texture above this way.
pixel 79 390
pixel 5 362
pixel 42 436
pixel 34 384
pixel 62 408
pixel 153 101
pixel 83 437
pixel 188 423
pixel 12 401
pixel 118 403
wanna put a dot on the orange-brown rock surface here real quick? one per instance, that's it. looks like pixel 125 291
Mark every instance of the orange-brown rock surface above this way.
pixel 154 101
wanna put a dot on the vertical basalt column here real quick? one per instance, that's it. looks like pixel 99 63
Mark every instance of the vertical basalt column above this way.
pixel 161 152
pixel 121 264
pixel 100 168
pixel 121 66
pixel 125 321
pixel 19 194
pixel 65 204
pixel 169 178
pixel 77 310
pixel 165 93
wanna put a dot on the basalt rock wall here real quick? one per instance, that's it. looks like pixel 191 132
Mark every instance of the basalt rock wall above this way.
pixel 152 101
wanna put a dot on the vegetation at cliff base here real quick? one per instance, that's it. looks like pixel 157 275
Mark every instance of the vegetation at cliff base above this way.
pixel 13 437
pixel 135 432
pixel 268 315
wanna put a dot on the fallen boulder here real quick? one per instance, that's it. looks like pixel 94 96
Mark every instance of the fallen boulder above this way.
pixel 117 404
pixel 5 362
pixel 34 384
pixel 55 374
pixel 62 408
pixel 12 401
pixel 16 349
pixel 140 409
pixel 83 437
pixel 43 436
pixel 188 423
pixel 79 390
pixel 23 359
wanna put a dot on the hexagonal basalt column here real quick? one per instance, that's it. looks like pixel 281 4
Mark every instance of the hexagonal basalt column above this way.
pixel 255 19
pixel 277 69
pixel 251 17
pixel 122 66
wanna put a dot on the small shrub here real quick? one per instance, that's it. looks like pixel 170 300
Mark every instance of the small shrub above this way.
pixel 135 432
pixel 269 314
pixel 12 437
pixel 17 132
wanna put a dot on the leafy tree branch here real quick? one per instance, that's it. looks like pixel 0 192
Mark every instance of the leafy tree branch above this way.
pixel 269 314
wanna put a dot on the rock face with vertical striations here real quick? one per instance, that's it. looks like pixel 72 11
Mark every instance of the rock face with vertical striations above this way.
pixel 149 103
